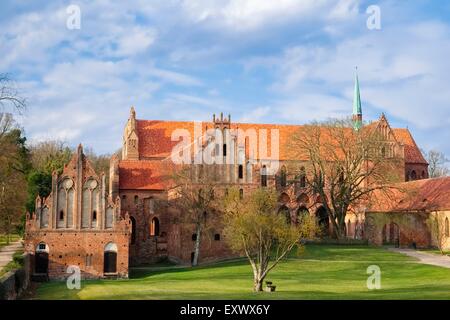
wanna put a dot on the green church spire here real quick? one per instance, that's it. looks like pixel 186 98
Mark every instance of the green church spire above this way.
pixel 357 110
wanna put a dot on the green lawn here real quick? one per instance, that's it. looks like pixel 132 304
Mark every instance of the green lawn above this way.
pixel 322 272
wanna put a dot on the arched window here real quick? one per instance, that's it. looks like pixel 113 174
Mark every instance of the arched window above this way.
pixel 249 172
pixel 44 217
pixel 109 217
pixel 241 171
pixel 217 237
pixel 224 149
pixel 154 227
pixel 302 212
pixel 413 175
pixel 302 177
pixel 136 199
pixel 323 220
pixel 41 258
pixel 217 149
pixel 283 178
pixel 285 211
pixel 446 227
pixel 264 176
pixel 194 237
pixel 94 215
pixel 133 230
pixel 241 193
pixel 110 258
pixel 61 215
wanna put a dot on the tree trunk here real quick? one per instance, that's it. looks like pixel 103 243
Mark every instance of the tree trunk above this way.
pixel 258 284
pixel 197 245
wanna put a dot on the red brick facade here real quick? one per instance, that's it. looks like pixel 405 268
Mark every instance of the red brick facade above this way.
pixel 78 225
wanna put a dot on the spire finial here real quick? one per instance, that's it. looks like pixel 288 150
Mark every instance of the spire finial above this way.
pixel 357 110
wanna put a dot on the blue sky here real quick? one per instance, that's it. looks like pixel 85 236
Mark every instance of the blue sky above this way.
pixel 286 61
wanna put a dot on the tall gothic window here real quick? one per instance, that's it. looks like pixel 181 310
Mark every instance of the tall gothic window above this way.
pixel 283 178
pixel 154 227
pixel 302 177
pixel 264 176
pixel 241 171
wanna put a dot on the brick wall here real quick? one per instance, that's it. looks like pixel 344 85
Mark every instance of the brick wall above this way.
pixel 71 247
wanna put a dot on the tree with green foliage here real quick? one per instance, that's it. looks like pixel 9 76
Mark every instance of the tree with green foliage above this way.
pixel 254 227
pixel 14 165
pixel 46 157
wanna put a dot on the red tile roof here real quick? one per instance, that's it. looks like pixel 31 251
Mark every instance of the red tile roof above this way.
pixel 142 174
pixel 155 144
pixel 412 151
pixel 419 195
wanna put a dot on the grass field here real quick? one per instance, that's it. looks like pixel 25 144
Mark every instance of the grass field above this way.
pixel 322 272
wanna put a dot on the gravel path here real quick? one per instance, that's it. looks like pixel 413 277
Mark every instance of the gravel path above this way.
pixel 6 252
pixel 425 257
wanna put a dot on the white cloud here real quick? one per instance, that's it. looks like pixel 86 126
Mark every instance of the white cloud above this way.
pixel 241 15
pixel 402 71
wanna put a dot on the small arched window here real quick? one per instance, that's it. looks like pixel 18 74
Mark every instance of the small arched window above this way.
pixel 61 215
pixel 224 149
pixel 264 176
pixel 241 193
pixel 154 227
pixel 94 215
pixel 133 230
pixel 136 199
pixel 413 175
pixel 302 177
pixel 217 237
pixel 283 176
pixel 249 171
pixel 194 237
pixel 241 171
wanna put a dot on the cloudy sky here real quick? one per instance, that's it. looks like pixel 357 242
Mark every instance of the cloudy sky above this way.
pixel 285 61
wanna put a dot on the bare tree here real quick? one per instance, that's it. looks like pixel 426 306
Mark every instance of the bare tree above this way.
pixel 9 94
pixel 344 166
pixel 195 198
pixel 254 227
pixel 437 164
pixel 438 225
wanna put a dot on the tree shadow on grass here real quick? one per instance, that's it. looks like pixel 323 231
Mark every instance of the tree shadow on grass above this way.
pixel 153 270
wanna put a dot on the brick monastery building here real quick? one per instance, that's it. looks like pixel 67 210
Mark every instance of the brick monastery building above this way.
pixel 81 224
